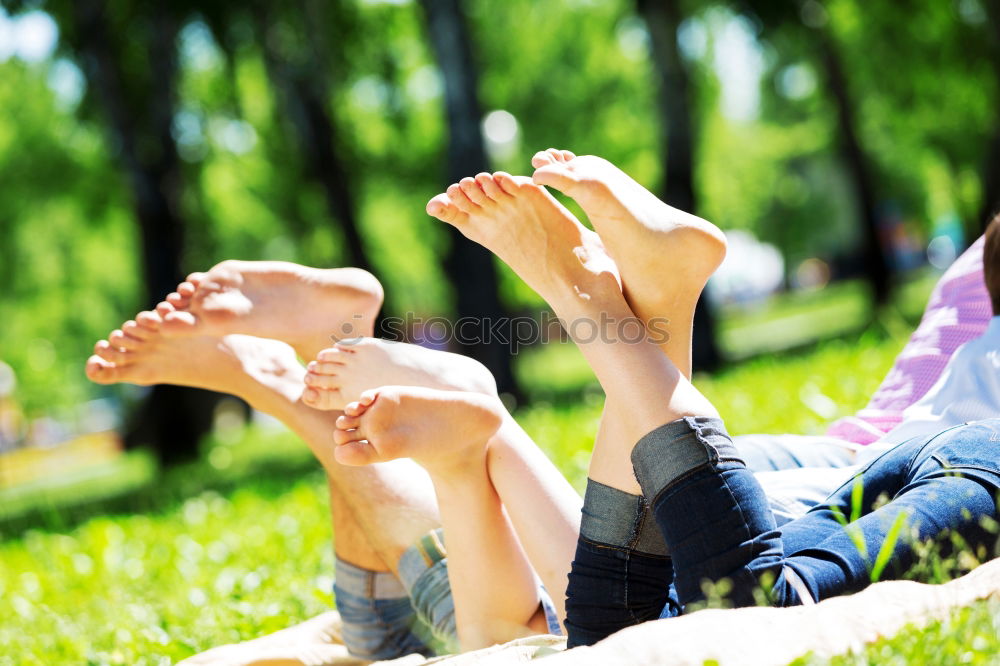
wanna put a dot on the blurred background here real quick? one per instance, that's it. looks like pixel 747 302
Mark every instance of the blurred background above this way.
pixel 849 149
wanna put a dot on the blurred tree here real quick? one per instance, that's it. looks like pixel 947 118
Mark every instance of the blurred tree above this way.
pixel 677 140
pixel 991 170
pixel 296 49
pixel 812 17
pixel 468 265
pixel 129 59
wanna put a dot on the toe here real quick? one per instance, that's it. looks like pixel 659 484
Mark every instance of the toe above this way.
pixel 100 371
pixel 177 300
pixel 345 422
pixel 195 278
pixel 359 406
pixel 490 187
pixel 556 176
pixel 325 367
pixel 322 400
pixel 330 400
pixel 163 308
pixel 310 396
pixel 132 329
pixel 119 339
pixel 326 382
pixel 342 436
pixel 179 322
pixel 459 198
pixel 445 210
pixel 186 289
pixel 567 155
pixel 110 354
pixel 541 158
pixel 332 355
pixel 472 190
pixel 506 182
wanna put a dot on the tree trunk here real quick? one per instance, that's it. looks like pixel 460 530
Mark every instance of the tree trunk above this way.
pixel 677 139
pixel 140 114
pixel 469 266
pixel 991 170
pixel 306 97
pixel 859 169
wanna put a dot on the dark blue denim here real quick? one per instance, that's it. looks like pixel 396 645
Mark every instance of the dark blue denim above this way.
pixel 717 525
pixel 617 536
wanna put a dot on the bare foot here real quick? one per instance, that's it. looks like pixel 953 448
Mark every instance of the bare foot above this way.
pixel 665 255
pixel 445 431
pixel 305 307
pixel 532 232
pixel 340 375
pixel 139 353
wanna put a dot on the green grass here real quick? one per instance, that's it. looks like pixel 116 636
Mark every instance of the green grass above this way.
pixel 239 545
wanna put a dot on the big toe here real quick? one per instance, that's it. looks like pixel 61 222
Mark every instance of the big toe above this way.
pixel 551 156
pixel 323 400
pixel 511 184
pixel 195 278
pixel 556 175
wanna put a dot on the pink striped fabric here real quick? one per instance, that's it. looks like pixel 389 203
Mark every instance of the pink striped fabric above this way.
pixel 958 310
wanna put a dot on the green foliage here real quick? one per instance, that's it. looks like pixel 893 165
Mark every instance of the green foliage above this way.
pixel 68 244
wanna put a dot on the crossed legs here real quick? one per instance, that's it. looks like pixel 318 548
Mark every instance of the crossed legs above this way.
pixel 378 512
pixel 502 501
pixel 711 513
pixel 482 502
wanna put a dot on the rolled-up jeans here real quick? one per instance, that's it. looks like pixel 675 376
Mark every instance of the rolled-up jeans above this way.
pixel 717 524
pixel 797 471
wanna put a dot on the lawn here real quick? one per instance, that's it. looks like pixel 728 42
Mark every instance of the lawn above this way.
pixel 239 545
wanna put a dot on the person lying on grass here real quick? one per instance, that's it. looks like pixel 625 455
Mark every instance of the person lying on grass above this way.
pixel 662 450
pixel 155 346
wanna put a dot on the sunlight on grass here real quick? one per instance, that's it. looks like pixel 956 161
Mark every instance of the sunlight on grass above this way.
pixel 239 545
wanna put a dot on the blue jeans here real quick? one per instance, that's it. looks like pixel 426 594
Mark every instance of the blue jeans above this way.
pixel 379 619
pixel 385 618
pixel 768 453
pixel 717 524
pixel 797 471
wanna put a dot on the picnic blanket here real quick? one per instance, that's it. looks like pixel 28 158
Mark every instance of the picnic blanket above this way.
pixel 753 636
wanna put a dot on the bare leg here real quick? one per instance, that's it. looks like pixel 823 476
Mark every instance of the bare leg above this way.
pixel 447 433
pixel 542 506
pixel 350 542
pixel 564 263
pixel 540 503
pixel 305 307
pixel 392 503
pixel 665 255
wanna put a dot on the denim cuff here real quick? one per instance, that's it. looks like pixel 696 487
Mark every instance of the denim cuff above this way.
pixel 423 568
pixel 421 557
pixel 366 583
pixel 677 448
pixel 616 518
